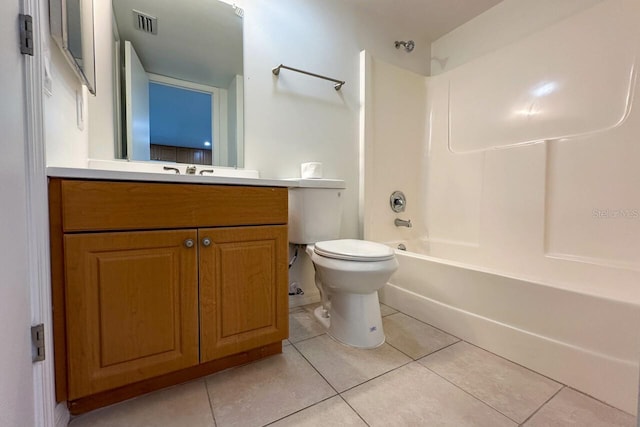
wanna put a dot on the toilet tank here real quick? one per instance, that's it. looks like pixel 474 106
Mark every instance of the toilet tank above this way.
pixel 315 213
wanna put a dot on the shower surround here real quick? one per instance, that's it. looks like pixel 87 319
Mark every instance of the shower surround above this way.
pixel 520 169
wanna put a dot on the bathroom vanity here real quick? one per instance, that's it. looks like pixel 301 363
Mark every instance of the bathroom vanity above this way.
pixel 156 283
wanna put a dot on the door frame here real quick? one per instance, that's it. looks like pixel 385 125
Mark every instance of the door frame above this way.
pixel 47 413
pixel 219 113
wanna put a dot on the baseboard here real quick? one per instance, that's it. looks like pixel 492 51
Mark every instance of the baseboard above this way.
pixel 62 415
pixel 307 298
pixel 606 378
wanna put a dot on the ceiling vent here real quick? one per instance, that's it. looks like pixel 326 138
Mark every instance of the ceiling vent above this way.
pixel 144 22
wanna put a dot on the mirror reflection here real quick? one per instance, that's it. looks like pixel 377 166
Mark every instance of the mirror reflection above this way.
pixel 180 91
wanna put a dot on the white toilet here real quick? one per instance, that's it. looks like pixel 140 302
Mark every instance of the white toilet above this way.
pixel 348 272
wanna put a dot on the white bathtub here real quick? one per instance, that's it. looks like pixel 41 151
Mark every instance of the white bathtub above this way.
pixel 580 340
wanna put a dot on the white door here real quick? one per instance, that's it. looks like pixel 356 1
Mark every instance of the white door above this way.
pixel 16 376
pixel 137 105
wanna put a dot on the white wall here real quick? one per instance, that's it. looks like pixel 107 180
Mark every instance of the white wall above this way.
pixel 295 118
pixel 66 144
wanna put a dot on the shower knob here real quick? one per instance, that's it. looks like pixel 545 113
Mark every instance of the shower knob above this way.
pixel 398 201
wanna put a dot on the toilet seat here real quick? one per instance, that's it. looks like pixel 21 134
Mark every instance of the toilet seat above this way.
pixel 354 250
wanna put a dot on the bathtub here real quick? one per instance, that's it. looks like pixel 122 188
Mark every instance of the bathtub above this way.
pixel 581 340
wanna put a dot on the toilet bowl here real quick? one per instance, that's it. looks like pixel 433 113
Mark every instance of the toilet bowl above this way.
pixel 349 274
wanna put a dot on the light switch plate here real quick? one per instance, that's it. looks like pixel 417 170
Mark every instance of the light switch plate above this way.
pixel 48 80
pixel 80 109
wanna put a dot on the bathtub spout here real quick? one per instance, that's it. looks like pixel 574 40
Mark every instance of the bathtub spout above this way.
pixel 402 223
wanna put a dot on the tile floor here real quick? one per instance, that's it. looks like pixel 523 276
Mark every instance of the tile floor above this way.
pixel 421 376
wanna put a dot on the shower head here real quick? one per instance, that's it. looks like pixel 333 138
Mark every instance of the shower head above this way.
pixel 238 10
pixel 408 45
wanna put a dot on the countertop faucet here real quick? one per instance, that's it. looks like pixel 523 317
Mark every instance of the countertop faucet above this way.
pixel 402 223
pixel 176 170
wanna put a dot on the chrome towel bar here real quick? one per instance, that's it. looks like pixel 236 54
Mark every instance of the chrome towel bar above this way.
pixel 337 86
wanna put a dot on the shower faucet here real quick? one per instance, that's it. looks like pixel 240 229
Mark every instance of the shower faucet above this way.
pixel 402 223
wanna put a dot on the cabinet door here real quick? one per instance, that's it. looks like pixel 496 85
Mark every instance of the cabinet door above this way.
pixel 243 289
pixel 184 155
pixel 163 153
pixel 168 154
pixel 132 307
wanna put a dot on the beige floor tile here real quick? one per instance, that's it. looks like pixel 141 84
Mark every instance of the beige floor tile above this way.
pixel 303 324
pixel 332 412
pixel 385 310
pixel 511 389
pixel 571 408
pixel 286 342
pixel 415 396
pixel 308 307
pixel 413 337
pixel 179 406
pixel 265 391
pixel 345 367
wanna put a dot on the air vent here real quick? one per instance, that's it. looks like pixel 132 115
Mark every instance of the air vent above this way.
pixel 144 22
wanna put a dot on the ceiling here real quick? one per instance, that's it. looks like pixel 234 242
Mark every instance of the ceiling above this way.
pixel 426 19
pixel 197 41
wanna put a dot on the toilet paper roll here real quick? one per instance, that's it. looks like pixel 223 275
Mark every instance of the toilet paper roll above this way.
pixel 311 170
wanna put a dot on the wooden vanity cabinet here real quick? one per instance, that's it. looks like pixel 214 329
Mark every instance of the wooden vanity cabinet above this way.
pixel 154 284
pixel 240 291
pixel 132 307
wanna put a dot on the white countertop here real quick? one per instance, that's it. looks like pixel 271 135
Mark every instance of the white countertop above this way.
pixel 119 175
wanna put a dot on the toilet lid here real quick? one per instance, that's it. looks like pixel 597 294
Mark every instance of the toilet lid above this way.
pixel 354 250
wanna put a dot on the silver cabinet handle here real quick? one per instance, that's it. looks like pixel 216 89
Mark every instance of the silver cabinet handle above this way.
pixel 188 243
pixel 206 242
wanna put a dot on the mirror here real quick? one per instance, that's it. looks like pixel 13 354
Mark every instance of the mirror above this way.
pixel 71 23
pixel 180 75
